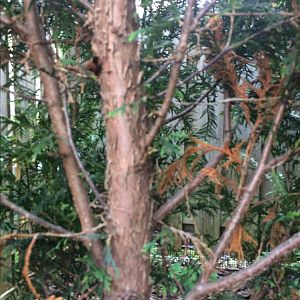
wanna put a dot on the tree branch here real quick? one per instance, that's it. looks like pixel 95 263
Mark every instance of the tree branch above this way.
pixel 71 9
pixel 43 59
pixel 174 201
pixel 246 198
pixel 25 271
pixel 277 161
pixel 188 25
pixel 30 216
pixel 158 72
pixel 57 231
pixel 86 174
pixel 86 4
pixel 252 14
pixel 14 24
pixel 191 106
pixel 233 281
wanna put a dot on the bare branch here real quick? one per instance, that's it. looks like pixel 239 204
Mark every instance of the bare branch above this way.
pixel 158 72
pixel 157 60
pixel 30 216
pixel 24 97
pixel 230 31
pixel 14 24
pixel 78 160
pixel 246 198
pixel 233 281
pixel 71 9
pixel 278 161
pixel 25 271
pixel 191 106
pixel 57 231
pixel 86 4
pixel 174 201
pixel 235 99
pixel 252 14
pixel 188 25
pixel 201 14
pixel 44 61
pixel 79 236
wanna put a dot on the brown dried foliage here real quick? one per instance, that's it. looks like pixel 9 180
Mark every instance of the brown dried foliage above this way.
pixel 179 171
pixel 239 236
pixel 265 90
pixel 264 107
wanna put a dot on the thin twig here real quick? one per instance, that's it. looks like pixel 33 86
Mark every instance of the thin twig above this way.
pixel 249 99
pixel 80 236
pixel 25 271
pixel 191 106
pixel 278 161
pixel 252 14
pixel 198 243
pixel 249 149
pixel 75 153
pixel 70 8
pixel 32 217
pixel 15 25
pixel 158 72
pixel 201 14
pixel 86 294
pixel 57 231
pixel 230 31
pixel 25 97
pixel 86 4
pixel 156 60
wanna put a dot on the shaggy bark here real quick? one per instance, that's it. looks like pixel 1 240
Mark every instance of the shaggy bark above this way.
pixel 127 168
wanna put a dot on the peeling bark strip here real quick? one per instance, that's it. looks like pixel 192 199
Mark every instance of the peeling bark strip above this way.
pixel 43 60
pixel 127 168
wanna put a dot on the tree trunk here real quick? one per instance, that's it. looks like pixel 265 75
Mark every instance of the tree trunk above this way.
pixel 127 168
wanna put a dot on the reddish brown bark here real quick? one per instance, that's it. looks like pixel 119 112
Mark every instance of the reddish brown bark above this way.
pixel 127 171
pixel 43 60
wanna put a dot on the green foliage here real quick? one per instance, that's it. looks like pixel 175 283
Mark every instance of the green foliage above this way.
pixel 171 144
pixel 33 177
pixel 281 281
pixel 31 172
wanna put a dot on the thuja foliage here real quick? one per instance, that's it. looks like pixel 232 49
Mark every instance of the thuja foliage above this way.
pixel 32 173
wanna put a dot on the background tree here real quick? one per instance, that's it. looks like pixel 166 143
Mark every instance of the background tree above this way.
pixel 110 155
